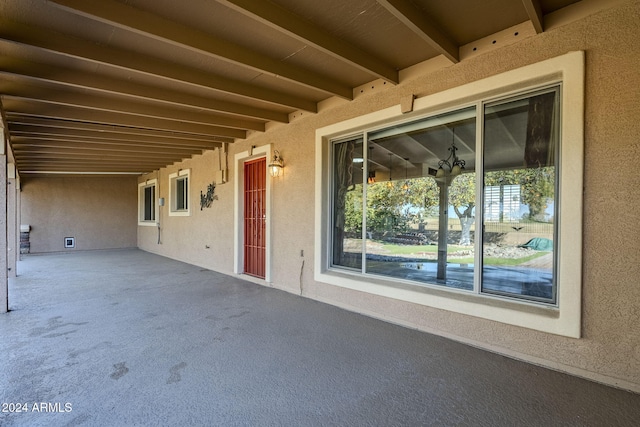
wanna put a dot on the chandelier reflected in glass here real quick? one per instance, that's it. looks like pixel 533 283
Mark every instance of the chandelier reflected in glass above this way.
pixel 455 165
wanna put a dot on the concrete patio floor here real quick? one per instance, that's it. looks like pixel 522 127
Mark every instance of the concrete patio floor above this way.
pixel 124 338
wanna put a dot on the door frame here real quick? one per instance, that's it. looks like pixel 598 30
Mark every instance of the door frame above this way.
pixel 238 203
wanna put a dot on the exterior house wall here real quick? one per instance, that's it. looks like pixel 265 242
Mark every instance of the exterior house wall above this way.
pixel 206 236
pixel 609 347
pixel 100 212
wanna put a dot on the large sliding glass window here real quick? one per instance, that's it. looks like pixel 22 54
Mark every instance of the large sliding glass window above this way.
pixel 462 200
pixel 419 220
pixel 520 151
pixel 347 203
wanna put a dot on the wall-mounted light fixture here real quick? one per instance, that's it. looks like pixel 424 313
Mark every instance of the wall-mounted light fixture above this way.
pixel 276 165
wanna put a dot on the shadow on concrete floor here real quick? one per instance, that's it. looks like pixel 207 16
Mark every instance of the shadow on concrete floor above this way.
pixel 120 338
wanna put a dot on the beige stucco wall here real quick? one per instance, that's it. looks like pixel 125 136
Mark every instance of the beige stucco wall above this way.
pixel 609 350
pixel 206 236
pixel 100 212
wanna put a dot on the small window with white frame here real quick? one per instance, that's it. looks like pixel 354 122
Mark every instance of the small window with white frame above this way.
pixel 179 203
pixel 147 202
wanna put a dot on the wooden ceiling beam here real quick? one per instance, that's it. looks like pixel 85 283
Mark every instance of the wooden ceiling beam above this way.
pixel 44 153
pixel 309 33
pixel 59 158
pixel 159 28
pixel 79 170
pixel 64 112
pixel 134 163
pixel 81 49
pixel 100 102
pixel 109 131
pixel 66 152
pixel 22 131
pixel 534 11
pixel 85 164
pixel 62 165
pixel 77 158
pixel 41 157
pixel 107 165
pixel 34 146
pixel 77 79
pixel 422 25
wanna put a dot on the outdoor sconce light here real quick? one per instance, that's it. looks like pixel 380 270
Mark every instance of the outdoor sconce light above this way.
pixel 276 165
pixel 454 164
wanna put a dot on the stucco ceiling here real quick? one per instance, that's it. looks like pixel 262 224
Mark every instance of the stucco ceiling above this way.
pixel 132 86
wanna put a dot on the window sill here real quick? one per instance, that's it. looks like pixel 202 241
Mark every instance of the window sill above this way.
pixel 514 312
pixel 147 223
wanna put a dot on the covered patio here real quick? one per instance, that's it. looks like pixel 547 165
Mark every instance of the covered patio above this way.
pixel 125 337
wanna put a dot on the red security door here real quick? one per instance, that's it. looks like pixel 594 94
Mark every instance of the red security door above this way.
pixel 255 217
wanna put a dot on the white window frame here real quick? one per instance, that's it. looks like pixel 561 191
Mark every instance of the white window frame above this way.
pixel 141 200
pixel 173 193
pixel 564 318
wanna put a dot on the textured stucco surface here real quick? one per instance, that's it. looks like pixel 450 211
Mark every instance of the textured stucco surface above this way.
pixel 13 236
pixel 206 236
pixel 100 212
pixel 609 349
pixel 128 338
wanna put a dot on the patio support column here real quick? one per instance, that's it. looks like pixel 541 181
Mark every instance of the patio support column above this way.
pixel 13 237
pixel 4 280
pixel 442 229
